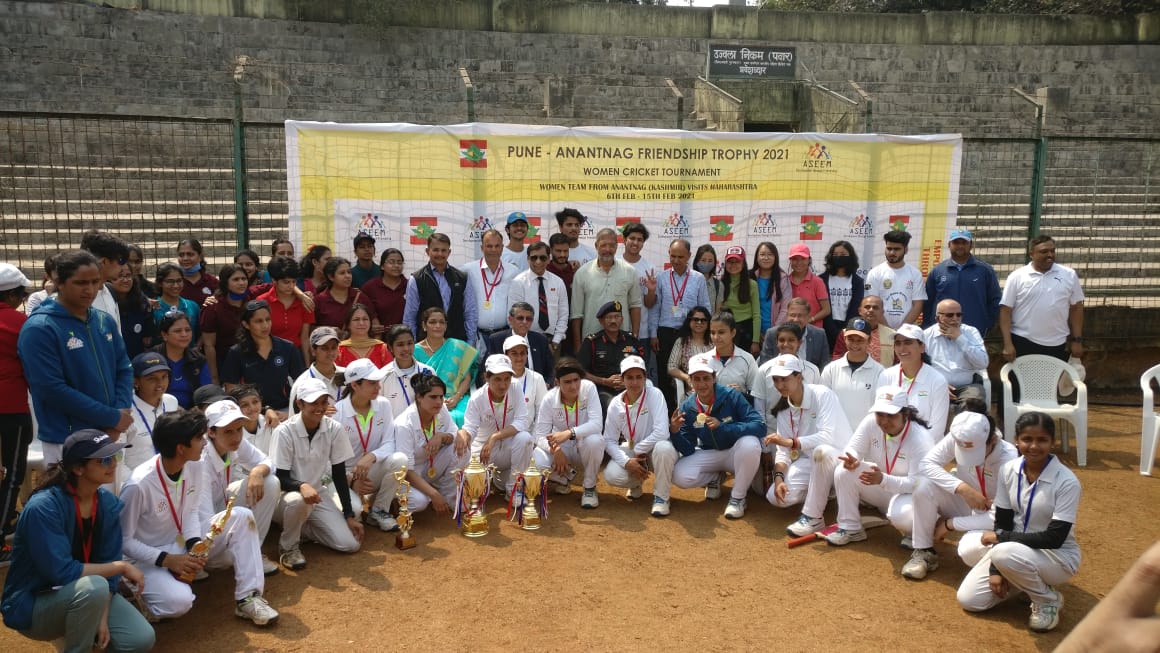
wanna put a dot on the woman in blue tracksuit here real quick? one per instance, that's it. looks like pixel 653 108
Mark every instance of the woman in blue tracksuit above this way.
pixel 728 430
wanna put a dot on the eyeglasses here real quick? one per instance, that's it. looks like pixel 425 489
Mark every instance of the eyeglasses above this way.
pixel 951 314
pixel 522 318
pixel 172 282
pixel 109 461
pixel 538 257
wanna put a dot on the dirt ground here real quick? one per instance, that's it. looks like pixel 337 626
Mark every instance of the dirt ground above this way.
pixel 615 579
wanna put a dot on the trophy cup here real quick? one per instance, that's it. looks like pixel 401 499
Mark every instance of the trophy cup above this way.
pixel 474 485
pixel 532 504
pixel 201 549
pixel 404 540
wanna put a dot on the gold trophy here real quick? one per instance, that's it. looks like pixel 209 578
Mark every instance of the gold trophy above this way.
pixel 201 549
pixel 535 504
pixel 404 540
pixel 474 485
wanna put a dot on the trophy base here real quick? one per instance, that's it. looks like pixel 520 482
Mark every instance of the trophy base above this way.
pixel 404 541
pixel 475 526
pixel 531 521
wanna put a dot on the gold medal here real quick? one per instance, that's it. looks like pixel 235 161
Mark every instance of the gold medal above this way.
pixel 487 304
pixel 701 419
pixel 431 472
pixel 794 454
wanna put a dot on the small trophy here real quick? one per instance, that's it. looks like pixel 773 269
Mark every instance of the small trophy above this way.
pixel 529 504
pixel 201 549
pixel 474 486
pixel 404 540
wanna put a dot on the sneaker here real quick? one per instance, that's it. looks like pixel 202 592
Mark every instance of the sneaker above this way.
pixel 805 526
pixel 842 537
pixel 293 559
pixel 1045 616
pixel 907 544
pixel 921 563
pixel 589 499
pixel 713 489
pixel 255 608
pixel 269 567
pixel 383 520
pixel 735 509
pixel 563 488
pixel 660 507
pixel 633 493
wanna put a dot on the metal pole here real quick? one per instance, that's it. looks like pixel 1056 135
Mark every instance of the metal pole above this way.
pixel 241 213
pixel 1039 169
pixel 680 102
pixel 470 94
pixel 869 113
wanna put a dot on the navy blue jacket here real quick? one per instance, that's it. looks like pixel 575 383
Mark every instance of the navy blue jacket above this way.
pixel 974 286
pixel 738 419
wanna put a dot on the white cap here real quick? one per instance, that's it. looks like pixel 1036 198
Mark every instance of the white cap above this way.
pixel 223 413
pixel 499 364
pixel 633 363
pixel 970 431
pixel 890 399
pixel 312 389
pixel 363 369
pixel 785 365
pixel 911 331
pixel 11 277
pixel 701 363
pixel 513 341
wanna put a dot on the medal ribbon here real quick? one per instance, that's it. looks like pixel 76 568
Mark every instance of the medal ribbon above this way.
pixel 575 412
pixel 358 420
pixel 982 481
pixel 628 420
pixel 86 542
pixel 912 381
pixel 428 433
pixel 173 512
pixel 901 440
pixel 678 295
pixel 489 287
pixel 491 404
pixel 701 407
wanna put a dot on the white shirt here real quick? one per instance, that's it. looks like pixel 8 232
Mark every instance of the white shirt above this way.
pixel 1057 493
pixel 643 267
pixel 819 420
pixel 309 459
pixel 412 441
pixel 766 392
pixel 140 434
pixel 526 288
pixel 517 261
pixel 738 370
pixel 379 433
pixel 490 289
pixel 582 252
pixel 332 385
pixel 147 521
pixel 483 417
pixel 534 388
pixel 219 475
pixel 899 289
pixel 957 360
pixel 855 388
pixel 262 437
pixel 649 416
pixel 840 289
pixel 897 457
pixel 933 466
pixel 1040 303
pixel 396 385
pixel 553 417
pixel 107 303
pixel 927 393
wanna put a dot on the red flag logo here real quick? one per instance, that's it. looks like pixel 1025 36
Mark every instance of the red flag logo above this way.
pixel 811 227
pixel 721 228
pixel 472 153
pixel 422 227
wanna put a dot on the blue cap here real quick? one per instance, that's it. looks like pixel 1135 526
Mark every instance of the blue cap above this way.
pixel 147 363
pixel 517 216
pixel 961 234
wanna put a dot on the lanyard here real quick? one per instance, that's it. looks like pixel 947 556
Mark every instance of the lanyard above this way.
pixel 86 542
pixel 328 381
pixel 628 421
pixel 982 480
pixel 169 499
pixel 794 427
pixel 359 423
pixel 1034 487
pixel 678 295
pixel 491 404
pixel 912 381
pixel 489 286
pixel 148 429
pixel 406 397
pixel 901 441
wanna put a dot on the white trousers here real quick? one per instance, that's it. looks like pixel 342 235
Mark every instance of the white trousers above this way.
pixel 702 466
pixel 264 510
pixel 1026 569
pixel 322 522
pixel 237 546
pixel 930 502
pixel 512 456
pixel 382 477
pixel 663 458
pixel 585 453
pixel 446 462
pixel 810 479
pixel 852 491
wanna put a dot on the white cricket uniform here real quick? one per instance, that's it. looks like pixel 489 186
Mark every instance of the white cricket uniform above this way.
pixel 155 507
pixel 855 387
pixel 140 434
pixel 333 385
pixel 818 422
pixel 534 388
pixel 587 450
pixel 928 392
pixel 412 441
pixel 742 373
pixel 934 496
pixel 229 478
pixel 396 385
pixel 489 290
pixel 898 288
pixel 644 429
pixel 1040 303
pixel 1056 497
pixel 484 417
pixel 768 394
pixel 262 437
pixel 309 461
pixel 897 457
pixel 377 438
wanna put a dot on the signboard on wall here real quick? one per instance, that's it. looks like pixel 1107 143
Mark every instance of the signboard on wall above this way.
pixel 726 60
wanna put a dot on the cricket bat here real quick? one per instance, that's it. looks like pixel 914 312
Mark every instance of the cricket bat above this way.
pixel 868 522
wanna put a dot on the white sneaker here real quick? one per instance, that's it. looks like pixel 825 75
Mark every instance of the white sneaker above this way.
pixel 293 559
pixel 713 489
pixel 906 543
pixel 269 567
pixel 660 507
pixel 383 520
pixel 805 526
pixel 1045 616
pixel 562 488
pixel 633 493
pixel 255 608
pixel 842 537
pixel 735 509
pixel 921 563
pixel 589 498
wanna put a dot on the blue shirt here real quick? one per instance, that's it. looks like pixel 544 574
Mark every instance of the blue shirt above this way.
pixel 669 286
pixel 973 285
pixel 411 306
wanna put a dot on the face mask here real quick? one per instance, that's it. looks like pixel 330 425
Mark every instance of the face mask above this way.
pixel 706 268
pixel 192 271
pixel 842 261
pixel 237 297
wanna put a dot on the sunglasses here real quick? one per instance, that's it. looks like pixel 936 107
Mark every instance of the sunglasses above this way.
pixel 109 461
pixel 538 257
pixel 522 318
pixel 698 319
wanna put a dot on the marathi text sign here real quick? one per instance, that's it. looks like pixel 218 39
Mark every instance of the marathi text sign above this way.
pixel 769 62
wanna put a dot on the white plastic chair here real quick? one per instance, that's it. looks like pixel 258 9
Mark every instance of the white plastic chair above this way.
pixel 1150 434
pixel 1038 379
